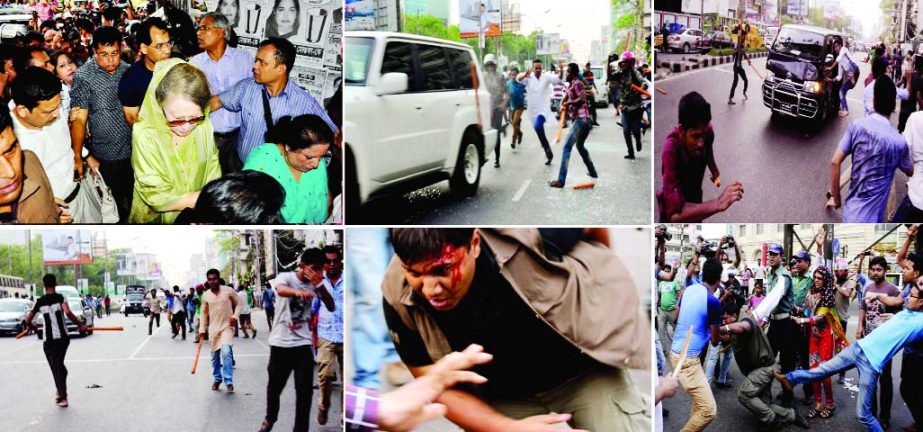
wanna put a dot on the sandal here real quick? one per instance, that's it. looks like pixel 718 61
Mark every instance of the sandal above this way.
pixel 827 412
pixel 811 413
pixel 266 426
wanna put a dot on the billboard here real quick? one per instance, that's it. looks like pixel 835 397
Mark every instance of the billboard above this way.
pixel 315 27
pixel 479 16
pixel 797 8
pixel 66 247
pixel 125 265
pixel 549 43
pixel 359 15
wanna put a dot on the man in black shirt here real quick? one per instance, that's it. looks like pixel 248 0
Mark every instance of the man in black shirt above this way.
pixel 52 307
pixel 464 286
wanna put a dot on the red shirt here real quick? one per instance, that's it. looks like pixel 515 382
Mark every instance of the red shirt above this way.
pixel 682 173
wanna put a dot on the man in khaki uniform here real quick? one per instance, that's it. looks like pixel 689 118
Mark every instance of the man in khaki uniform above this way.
pixel 540 301
pixel 219 316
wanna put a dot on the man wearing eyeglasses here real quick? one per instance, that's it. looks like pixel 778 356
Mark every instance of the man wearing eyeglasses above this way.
pixel 912 363
pixel 224 66
pixel 95 90
pixel 154 37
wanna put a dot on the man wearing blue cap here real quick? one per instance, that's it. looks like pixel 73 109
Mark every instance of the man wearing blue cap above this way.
pixel 783 333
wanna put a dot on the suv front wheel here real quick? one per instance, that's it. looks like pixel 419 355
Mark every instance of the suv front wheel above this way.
pixel 467 174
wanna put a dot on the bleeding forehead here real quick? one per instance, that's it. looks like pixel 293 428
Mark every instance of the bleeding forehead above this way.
pixel 449 256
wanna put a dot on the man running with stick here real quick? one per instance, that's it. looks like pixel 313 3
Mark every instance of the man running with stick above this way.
pixel 576 107
pixel 220 307
pixel 52 307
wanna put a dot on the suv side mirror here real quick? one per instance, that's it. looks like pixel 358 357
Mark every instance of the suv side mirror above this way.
pixel 392 83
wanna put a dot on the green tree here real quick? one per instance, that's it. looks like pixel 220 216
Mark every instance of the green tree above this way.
pixel 428 25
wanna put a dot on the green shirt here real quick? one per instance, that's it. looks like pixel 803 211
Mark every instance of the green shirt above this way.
pixel 801 285
pixel 668 294
pixel 785 304
pixel 305 199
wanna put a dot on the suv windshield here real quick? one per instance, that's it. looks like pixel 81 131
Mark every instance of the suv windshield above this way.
pixel 12 306
pixel 358 53
pixel 800 43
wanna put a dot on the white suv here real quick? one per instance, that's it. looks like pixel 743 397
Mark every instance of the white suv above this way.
pixel 415 117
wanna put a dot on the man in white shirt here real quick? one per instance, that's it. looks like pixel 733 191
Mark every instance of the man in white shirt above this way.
pixel 244 320
pixel 845 75
pixel 41 126
pixel 911 209
pixel 538 99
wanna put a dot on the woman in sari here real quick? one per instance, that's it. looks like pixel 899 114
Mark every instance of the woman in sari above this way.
pixel 820 309
pixel 173 146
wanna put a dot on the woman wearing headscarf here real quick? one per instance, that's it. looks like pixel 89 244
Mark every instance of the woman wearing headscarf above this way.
pixel 297 156
pixel 173 146
pixel 820 308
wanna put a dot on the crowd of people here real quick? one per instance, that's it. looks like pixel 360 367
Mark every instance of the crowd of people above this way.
pixel 304 312
pixel 172 125
pixel 806 305
pixel 572 93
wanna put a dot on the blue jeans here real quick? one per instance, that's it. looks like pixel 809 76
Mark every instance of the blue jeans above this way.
pixel 221 365
pixel 713 359
pixel 847 85
pixel 850 357
pixel 369 251
pixel 577 135
pixel 539 127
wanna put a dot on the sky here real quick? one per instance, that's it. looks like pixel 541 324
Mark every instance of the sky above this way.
pixel 868 12
pixel 173 245
pixel 579 25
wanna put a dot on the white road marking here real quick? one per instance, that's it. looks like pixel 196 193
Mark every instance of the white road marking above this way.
pixel 521 191
pixel 261 343
pixel 133 354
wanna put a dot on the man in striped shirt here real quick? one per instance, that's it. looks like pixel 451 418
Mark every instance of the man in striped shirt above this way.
pixel 271 86
pixel 52 307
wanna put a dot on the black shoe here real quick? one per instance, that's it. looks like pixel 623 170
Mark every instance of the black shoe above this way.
pixel 513 144
pixel 731 102
pixel 638 146
pixel 619 123
pixel 631 156
pixel 595 176
pixel 548 162
pixel 596 124
pixel 497 164
pixel 725 385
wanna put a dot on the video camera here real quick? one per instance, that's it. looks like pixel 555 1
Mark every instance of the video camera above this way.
pixel 708 249
pixel 662 234
pixel 729 242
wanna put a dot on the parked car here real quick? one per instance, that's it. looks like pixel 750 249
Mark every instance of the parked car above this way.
pixel 13 314
pixel 67 291
pixel 794 84
pixel 687 40
pixel 771 33
pixel 436 123
pixel 602 90
pixel 718 39
pixel 83 312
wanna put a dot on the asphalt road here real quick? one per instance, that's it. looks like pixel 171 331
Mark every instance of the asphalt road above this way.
pixel 784 168
pixel 517 193
pixel 144 384
pixel 732 416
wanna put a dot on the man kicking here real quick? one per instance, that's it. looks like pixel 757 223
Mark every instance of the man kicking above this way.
pixel 538 98
pixel 869 355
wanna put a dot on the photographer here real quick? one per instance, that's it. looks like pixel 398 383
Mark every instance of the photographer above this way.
pixel 660 274
pixel 728 242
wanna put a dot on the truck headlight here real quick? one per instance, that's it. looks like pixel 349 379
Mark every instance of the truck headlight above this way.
pixel 815 87
pixel 770 76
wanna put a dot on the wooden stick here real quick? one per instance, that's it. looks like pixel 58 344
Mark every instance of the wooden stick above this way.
pixel 660 90
pixel 563 112
pixel 641 90
pixel 477 99
pixel 24 332
pixel 757 72
pixel 197 351
pixel 590 185
pixel 682 357
pixel 118 328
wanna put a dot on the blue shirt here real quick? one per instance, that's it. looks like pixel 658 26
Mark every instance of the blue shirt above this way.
pixel 246 97
pixel 877 150
pixel 517 94
pixel 694 280
pixel 235 65
pixel 330 324
pixel 698 308
pixel 904 328
pixel 269 299
pixel 914 349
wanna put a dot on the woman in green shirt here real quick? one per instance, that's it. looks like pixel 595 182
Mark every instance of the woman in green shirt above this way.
pixel 173 145
pixel 298 161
